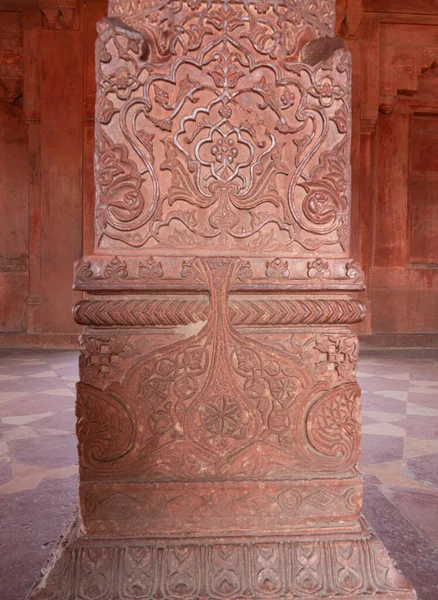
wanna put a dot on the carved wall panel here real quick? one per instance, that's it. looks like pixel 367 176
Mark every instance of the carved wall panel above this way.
pixel 218 407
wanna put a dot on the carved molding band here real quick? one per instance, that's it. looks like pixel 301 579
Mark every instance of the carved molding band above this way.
pixel 174 312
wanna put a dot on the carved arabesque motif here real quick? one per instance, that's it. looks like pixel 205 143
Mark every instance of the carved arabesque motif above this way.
pixel 317 15
pixel 213 134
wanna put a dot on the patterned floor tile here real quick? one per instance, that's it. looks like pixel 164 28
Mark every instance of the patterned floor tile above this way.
pixel 424 469
pixel 378 449
pixel 371 401
pixel 8 377
pixel 28 477
pixel 397 376
pixel 43 375
pixel 35 403
pixel 384 429
pixel 394 394
pixel 65 391
pixel 422 427
pixel 62 420
pixel 419 447
pixel 394 473
pixel 45 451
pixel 25 419
pixel 412 551
pixel 384 417
pixel 30 522
pixel 420 507
pixel 420 410
pixel 5 472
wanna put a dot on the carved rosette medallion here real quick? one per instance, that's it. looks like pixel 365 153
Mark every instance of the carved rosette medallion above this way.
pixel 218 413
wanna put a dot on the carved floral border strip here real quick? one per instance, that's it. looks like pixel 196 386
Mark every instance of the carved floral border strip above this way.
pixel 165 272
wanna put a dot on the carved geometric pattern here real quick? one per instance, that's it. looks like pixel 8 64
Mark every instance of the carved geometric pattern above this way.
pixel 178 311
pixel 151 509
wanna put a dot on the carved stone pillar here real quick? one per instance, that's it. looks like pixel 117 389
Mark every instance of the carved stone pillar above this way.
pixel 218 409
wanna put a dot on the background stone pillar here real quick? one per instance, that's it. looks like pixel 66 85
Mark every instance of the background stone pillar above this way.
pixel 218 410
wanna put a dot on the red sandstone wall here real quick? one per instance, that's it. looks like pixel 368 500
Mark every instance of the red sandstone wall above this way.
pixel 46 136
pixel 46 150
pixel 394 57
pixel 13 180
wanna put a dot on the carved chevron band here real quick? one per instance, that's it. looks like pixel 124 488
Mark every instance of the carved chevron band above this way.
pixel 134 313
pixel 292 312
pixel 173 312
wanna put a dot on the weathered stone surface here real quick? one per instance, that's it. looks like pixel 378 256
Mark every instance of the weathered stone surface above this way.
pixel 218 415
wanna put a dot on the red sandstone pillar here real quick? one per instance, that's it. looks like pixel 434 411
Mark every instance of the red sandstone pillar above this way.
pixel 218 410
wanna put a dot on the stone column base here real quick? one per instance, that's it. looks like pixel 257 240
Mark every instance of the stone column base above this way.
pixel 353 566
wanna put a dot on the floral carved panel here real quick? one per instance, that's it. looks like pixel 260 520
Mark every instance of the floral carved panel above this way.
pixel 222 128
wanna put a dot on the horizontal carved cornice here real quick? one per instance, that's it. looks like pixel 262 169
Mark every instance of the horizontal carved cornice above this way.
pixel 180 311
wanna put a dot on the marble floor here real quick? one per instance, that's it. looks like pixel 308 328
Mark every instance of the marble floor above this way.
pixel 38 463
